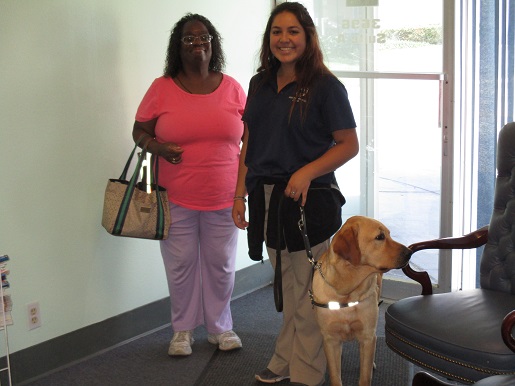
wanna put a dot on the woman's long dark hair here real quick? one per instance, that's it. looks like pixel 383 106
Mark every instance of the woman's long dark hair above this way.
pixel 173 62
pixel 311 64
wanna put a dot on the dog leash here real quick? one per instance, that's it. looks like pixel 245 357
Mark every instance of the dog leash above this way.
pixel 317 266
pixel 278 299
pixel 304 231
pixel 278 277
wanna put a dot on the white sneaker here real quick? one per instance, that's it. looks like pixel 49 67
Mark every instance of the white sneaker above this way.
pixel 226 341
pixel 181 343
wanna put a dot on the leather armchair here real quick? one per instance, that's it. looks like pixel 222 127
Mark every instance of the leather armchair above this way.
pixel 468 335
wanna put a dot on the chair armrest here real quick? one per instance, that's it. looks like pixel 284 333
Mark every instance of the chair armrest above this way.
pixel 508 324
pixel 472 240
pixel 421 277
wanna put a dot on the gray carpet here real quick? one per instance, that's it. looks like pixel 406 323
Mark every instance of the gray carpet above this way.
pixel 238 368
pixel 144 361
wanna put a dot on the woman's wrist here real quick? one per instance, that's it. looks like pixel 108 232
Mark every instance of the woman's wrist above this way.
pixel 144 141
pixel 152 146
pixel 145 146
pixel 238 198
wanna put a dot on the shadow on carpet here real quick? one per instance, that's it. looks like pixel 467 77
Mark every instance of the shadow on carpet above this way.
pixel 238 367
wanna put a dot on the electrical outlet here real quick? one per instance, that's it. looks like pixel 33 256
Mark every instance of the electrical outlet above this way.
pixel 33 315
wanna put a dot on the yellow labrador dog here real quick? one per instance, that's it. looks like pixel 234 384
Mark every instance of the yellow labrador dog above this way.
pixel 346 288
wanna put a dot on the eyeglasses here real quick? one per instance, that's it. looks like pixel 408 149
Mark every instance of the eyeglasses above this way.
pixel 190 39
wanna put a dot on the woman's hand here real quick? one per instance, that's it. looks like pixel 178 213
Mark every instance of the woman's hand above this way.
pixel 144 133
pixel 298 186
pixel 169 151
pixel 238 214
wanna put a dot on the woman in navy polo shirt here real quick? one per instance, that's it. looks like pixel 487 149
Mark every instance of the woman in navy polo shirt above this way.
pixel 299 128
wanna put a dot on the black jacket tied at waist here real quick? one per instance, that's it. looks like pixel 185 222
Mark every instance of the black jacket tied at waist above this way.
pixel 322 210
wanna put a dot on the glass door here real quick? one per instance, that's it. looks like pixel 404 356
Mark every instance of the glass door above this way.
pixel 390 56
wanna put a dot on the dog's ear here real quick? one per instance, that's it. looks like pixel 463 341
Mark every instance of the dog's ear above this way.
pixel 346 245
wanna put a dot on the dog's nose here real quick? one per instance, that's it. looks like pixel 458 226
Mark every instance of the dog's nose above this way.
pixel 407 253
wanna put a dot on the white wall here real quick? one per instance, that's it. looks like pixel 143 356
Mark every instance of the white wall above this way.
pixel 72 73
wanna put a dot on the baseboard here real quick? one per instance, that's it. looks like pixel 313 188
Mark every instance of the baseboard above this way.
pixel 36 361
pixel 252 278
pixel 394 288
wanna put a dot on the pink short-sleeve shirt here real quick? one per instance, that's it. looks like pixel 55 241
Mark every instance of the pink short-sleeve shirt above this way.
pixel 209 129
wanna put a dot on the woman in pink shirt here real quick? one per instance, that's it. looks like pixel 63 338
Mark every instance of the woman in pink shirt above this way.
pixel 191 118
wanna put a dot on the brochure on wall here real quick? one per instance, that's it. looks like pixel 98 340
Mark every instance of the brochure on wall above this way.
pixel 5 310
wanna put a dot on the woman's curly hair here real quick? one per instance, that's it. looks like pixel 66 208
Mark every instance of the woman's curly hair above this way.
pixel 173 62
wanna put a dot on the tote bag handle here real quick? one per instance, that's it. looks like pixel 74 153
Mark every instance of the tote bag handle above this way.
pixel 124 207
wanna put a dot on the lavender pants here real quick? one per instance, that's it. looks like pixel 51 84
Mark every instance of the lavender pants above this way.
pixel 199 258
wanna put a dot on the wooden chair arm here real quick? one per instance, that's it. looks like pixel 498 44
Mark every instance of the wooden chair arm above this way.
pixel 472 240
pixel 421 277
pixel 508 324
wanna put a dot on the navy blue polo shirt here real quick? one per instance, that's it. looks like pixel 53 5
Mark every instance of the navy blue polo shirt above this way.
pixel 280 144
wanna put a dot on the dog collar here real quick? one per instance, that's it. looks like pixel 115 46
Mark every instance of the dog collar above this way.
pixel 330 305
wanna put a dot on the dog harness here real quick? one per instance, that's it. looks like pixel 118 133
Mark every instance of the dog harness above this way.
pixel 330 305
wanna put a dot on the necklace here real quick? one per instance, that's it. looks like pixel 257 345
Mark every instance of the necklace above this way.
pixel 182 84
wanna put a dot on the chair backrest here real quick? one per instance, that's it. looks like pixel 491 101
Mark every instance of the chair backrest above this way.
pixel 497 271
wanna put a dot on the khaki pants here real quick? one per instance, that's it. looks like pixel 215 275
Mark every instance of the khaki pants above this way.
pixel 299 349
